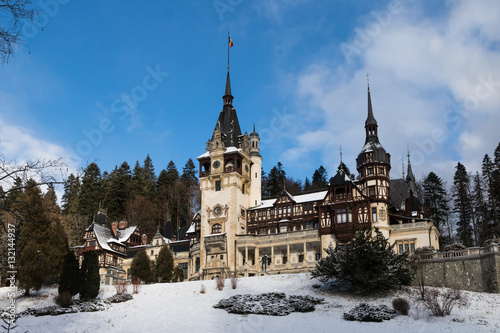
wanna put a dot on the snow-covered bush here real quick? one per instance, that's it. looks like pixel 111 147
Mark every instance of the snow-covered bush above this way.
pixel 401 305
pixel 455 247
pixel 372 313
pixel 441 301
pixel 219 282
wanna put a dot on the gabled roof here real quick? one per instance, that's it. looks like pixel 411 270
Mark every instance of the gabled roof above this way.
pixel 124 234
pixel 104 236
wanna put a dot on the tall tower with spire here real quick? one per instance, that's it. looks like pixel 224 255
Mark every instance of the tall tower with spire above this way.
pixel 230 183
pixel 373 164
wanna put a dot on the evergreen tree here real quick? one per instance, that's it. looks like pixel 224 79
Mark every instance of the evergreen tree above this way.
pixel 480 214
pixel 141 266
pixel 164 265
pixel 71 192
pixel 369 264
pixel 89 276
pixel 91 193
pixel 492 183
pixel 463 205
pixel 42 240
pixel 293 186
pixel 170 194
pixel 69 279
pixel 307 185
pixel 178 274
pixel 31 273
pixel 435 203
pixel 192 196
pixel 118 192
pixel 319 178
pixel 275 180
pixel 138 183
pixel 149 177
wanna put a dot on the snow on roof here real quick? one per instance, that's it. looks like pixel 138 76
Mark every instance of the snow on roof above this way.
pixel 191 229
pixel 232 150
pixel 104 235
pixel 212 235
pixel 124 234
pixel 204 155
pixel 299 198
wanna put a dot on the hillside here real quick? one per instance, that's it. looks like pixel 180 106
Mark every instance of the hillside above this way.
pixel 180 307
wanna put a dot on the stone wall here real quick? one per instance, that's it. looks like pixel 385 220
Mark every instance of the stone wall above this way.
pixel 474 269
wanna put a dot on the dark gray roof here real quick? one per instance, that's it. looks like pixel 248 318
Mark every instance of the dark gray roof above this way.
pixel 340 178
pixel 399 192
pixel 181 234
pixel 370 120
pixel 229 126
pixel 379 153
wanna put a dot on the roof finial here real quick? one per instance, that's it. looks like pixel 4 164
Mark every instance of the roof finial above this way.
pixel 368 81
pixel 340 149
pixel 229 45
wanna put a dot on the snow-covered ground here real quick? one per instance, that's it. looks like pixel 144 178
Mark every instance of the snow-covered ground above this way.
pixel 180 307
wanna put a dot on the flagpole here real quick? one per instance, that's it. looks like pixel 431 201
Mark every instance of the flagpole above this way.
pixel 228 47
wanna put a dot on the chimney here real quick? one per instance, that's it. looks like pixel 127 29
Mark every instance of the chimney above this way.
pixel 114 225
pixel 123 224
pixel 144 239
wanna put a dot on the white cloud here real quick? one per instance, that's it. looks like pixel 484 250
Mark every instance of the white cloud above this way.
pixel 428 90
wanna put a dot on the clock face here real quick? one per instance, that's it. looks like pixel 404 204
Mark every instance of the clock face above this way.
pixel 216 164
pixel 217 210
pixel 246 168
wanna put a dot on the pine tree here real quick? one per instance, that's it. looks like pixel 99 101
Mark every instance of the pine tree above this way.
pixel 369 264
pixel 91 192
pixel 435 203
pixel 307 184
pixel 42 240
pixel 492 183
pixel 69 279
pixel 164 265
pixel 463 205
pixel 118 192
pixel 275 180
pixel 89 276
pixel 319 178
pixel 141 266
pixel 71 193
pixel 480 214
pixel 149 177
pixel 137 184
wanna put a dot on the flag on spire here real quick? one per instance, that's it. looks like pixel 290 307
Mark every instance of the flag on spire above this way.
pixel 230 42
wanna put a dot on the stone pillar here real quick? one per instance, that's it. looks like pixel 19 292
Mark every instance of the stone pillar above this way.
pixel 305 252
pixel 246 255
pixel 257 257
pixel 272 256
pixel 289 261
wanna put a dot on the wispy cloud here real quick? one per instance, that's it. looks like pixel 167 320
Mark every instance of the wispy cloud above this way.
pixel 435 85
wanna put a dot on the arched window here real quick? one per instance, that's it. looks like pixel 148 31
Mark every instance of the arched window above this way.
pixel 216 228
pixel 197 264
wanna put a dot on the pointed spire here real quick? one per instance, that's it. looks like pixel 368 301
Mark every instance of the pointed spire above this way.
pixel 228 98
pixel 370 123
pixel 410 177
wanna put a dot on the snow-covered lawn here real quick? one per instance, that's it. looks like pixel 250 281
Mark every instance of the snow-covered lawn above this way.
pixel 180 307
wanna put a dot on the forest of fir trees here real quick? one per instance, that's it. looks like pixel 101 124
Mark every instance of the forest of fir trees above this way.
pixel 137 195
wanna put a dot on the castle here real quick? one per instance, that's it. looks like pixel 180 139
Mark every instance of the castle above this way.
pixel 236 233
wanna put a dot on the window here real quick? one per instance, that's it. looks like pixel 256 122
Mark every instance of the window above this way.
pixel 243 212
pixel 309 225
pixel 344 215
pixel 184 267
pixel 262 231
pixel 256 175
pixel 280 210
pixel 152 252
pixel 318 256
pixel 217 185
pixel 216 228
pixel 371 191
pixel 197 264
pixel 301 257
pixel 406 246
pixel 221 257
pixel 374 214
pixel 285 259
pixel 381 171
pixel 243 189
pixel 370 171
pixel 283 229
pixel 289 209
pixel 272 212
pixel 412 247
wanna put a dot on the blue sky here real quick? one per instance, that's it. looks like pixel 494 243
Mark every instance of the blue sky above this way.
pixel 298 71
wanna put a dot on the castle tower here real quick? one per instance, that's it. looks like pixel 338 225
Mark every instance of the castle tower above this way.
pixel 373 164
pixel 256 170
pixel 226 189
